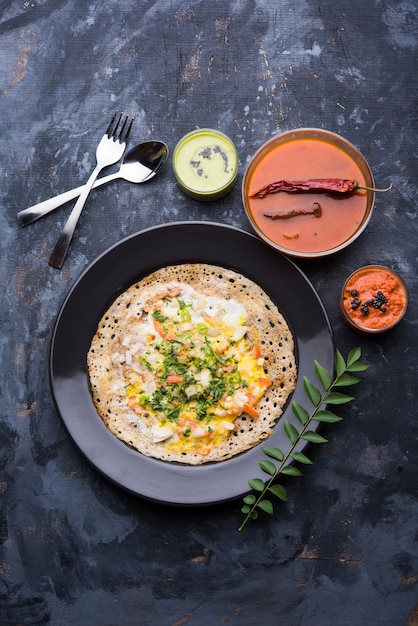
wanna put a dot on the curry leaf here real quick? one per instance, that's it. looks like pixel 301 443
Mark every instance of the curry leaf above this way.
pixel 274 453
pixel 301 458
pixel 353 356
pixel 340 365
pixel 300 412
pixel 258 500
pixel 268 467
pixel 358 367
pixel 257 484
pixel 339 398
pixel 327 416
pixel 311 391
pixel 279 491
pixel 323 375
pixel 291 470
pixel 266 506
pixel 290 431
pixel 313 437
pixel 345 380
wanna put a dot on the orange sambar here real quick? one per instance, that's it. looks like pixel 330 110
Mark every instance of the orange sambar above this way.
pixel 300 155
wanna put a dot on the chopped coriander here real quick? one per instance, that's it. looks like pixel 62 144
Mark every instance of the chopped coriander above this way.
pixel 145 362
pixel 158 316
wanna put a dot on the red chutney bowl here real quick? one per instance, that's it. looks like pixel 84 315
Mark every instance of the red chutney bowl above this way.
pixel 373 299
pixel 300 155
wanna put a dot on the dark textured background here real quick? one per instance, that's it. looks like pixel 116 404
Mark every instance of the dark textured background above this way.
pixel 74 548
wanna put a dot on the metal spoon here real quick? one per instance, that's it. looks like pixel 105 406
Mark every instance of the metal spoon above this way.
pixel 138 166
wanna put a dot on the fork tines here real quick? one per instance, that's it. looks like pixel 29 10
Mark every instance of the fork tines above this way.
pixel 119 132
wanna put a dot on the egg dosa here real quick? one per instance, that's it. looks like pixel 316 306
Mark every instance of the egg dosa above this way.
pixel 245 331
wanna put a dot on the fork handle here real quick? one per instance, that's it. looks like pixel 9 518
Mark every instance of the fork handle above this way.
pixel 59 253
pixel 33 213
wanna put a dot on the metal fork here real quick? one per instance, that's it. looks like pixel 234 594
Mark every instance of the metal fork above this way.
pixel 109 151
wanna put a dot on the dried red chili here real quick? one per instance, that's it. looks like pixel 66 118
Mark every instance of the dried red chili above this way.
pixel 316 211
pixel 332 185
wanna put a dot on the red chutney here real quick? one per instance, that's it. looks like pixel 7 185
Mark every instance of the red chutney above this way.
pixel 300 155
pixel 373 299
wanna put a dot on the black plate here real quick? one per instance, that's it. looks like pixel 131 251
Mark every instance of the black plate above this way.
pixel 124 264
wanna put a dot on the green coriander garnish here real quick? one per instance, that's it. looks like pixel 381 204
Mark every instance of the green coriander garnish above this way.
pixel 158 316
pixel 145 363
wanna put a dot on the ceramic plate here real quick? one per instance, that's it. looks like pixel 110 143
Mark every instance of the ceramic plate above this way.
pixel 116 269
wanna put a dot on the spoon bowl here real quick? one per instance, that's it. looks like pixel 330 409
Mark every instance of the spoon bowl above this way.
pixel 139 165
pixel 143 161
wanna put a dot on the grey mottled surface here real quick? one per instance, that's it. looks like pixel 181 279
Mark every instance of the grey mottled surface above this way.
pixel 74 548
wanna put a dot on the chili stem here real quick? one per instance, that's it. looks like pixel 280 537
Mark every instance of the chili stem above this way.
pixel 375 188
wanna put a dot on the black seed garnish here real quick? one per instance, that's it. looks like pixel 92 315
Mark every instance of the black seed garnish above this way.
pixel 378 302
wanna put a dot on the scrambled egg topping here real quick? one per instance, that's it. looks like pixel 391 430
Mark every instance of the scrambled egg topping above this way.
pixel 191 371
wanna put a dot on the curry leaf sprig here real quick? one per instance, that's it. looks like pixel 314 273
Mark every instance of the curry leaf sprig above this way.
pixel 344 370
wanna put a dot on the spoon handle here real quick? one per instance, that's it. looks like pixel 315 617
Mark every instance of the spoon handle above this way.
pixel 60 250
pixel 33 213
